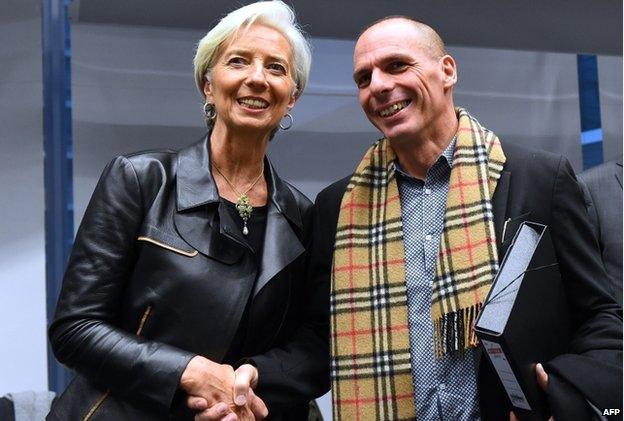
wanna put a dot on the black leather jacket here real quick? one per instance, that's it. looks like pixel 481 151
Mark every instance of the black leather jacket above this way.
pixel 159 274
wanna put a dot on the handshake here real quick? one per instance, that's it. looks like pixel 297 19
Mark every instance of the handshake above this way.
pixel 218 393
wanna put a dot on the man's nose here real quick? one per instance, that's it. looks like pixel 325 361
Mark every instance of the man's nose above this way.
pixel 380 82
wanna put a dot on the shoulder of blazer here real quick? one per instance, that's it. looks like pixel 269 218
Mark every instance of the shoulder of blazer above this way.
pixel 327 203
pixel 154 170
pixel 524 158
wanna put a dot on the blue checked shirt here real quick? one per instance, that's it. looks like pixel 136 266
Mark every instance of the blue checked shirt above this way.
pixel 446 388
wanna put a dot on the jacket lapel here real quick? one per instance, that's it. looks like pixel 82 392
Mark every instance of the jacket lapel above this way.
pixel 197 201
pixel 618 172
pixel 499 208
pixel 210 230
pixel 281 243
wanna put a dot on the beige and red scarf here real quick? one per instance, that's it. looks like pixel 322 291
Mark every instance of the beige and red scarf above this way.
pixel 370 359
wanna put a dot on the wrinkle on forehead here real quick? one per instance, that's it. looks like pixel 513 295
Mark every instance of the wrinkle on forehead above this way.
pixel 271 39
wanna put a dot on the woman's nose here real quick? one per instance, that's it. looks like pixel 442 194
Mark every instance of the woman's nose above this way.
pixel 257 75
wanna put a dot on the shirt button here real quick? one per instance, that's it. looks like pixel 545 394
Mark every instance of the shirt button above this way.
pixel 428 237
pixel 442 386
pixel 427 191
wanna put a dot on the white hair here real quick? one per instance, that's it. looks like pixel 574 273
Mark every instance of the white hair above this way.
pixel 273 13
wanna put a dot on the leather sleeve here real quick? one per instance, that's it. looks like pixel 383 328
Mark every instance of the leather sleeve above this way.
pixel 307 355
pixel 84 335
pixel 297 370
pixel 593 364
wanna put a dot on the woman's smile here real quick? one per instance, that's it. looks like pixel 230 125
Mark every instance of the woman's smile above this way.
pixel 251 84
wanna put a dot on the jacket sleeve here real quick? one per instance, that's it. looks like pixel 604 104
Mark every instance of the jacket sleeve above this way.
pixel 593 364
pixel 589 205
pixel 84 335
pixel 299 369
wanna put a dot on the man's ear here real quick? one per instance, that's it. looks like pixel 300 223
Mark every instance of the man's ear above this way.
pixel 450 71
pixel 208 92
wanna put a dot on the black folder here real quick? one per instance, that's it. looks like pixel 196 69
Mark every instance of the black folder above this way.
pixel 525 319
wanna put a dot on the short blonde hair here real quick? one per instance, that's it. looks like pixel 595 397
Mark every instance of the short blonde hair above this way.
pixel 273 13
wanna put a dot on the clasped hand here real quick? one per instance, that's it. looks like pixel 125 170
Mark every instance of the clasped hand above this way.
pixel 217 392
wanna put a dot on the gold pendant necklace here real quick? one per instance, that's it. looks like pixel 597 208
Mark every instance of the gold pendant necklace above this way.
pixel 243 206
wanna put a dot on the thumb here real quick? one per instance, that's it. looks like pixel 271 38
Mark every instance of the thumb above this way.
pixel 246 376
pixel 542 377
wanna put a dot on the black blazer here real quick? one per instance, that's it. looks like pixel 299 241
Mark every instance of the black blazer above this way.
pixel 159 274
pixel 540 187
pixel 602 186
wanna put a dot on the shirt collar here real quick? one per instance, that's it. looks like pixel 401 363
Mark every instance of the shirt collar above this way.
pixel 445 158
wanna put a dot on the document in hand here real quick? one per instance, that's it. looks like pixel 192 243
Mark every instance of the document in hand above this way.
pixel 524 320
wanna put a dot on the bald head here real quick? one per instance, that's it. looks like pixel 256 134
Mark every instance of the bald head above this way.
pixel 428 38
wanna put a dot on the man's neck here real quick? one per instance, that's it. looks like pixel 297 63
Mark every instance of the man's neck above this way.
pixel 418 154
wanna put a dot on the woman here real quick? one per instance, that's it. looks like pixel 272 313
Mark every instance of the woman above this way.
pixel 188 264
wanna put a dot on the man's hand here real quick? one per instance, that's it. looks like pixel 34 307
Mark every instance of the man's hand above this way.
pixel 246 378
pixel 256 410
pixel 542 381
pixel 542 377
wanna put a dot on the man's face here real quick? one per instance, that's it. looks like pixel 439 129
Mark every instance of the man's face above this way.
pixel 403 89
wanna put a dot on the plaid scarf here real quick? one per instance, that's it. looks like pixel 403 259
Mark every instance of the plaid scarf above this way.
pixel 370 363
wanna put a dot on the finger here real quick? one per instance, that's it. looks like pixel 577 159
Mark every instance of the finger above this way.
pixel 244 377
pixel 257 406
pixel 196 403
pixel 542 377
pixel 512 416
pixel 219 412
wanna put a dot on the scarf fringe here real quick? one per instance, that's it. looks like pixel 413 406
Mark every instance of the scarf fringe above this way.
pixel 453 332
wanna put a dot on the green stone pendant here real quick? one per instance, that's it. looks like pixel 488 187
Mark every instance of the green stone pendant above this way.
pixel 244 209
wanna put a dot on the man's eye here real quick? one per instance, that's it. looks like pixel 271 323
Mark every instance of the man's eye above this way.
pixel 397 65
pixel 277 67
pixel 362 81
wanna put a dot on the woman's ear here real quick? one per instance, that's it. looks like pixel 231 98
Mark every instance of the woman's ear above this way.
pixel 208 92
pixel 293 98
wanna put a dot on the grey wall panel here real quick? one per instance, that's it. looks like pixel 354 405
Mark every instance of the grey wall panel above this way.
pixel 23 364
pixel 610 85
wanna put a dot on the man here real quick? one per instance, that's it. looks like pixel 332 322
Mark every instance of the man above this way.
pixel 602 186
pixel 412 241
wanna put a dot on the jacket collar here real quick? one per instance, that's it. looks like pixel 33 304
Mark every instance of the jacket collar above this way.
pixel 195 185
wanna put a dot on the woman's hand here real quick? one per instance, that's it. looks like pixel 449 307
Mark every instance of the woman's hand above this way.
pixel 217 401
pixel 208 380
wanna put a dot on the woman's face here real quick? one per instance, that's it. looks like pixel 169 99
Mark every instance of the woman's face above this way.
pixel 251 84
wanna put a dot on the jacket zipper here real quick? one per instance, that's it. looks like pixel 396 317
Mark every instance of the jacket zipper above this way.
pixel 102 398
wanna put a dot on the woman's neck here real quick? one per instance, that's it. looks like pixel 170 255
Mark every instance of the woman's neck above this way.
pixel 238 155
